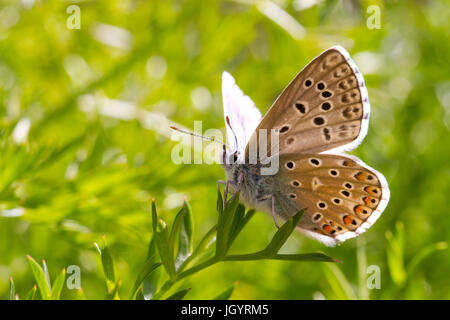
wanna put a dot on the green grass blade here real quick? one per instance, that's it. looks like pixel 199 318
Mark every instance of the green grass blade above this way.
pixel 39 276
pixel 58 285
pixel 47 275
pixel 12 289
pixel 31 294
pixel 107 261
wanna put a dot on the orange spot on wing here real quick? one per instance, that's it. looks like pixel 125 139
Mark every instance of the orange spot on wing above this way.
pixel 373 191
pixel 368 200
pixel 348 220
pixel 359 209
pixel 347 163
pixel 327 228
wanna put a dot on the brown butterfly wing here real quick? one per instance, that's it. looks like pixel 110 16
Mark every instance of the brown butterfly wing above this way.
pixel 324 107
pixel 343 196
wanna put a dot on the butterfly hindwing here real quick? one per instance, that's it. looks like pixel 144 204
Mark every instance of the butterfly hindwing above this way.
pixel 343 196
pixel 324 108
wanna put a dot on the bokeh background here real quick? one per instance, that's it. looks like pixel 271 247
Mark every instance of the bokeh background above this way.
pixel 85 144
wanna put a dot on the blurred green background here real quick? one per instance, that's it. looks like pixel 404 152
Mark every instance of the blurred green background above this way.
pixel 85 144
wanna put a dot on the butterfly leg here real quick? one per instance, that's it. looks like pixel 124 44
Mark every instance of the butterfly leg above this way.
pixel 226 184
pixel 273 207
pixel 237 187
pixel 273 211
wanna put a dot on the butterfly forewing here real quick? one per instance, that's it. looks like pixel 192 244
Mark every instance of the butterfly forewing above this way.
pixel 342 195
pixel 324 108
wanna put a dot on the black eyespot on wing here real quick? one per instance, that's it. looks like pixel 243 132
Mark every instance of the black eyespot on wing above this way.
pixel 326 106
pixel 326 94
pixel 319 121
pixel 300 107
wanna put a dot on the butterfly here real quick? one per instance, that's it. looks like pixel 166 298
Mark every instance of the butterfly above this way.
pixel 323 112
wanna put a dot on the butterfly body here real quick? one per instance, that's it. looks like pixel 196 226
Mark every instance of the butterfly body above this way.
pixel 257 190
pixel 323 112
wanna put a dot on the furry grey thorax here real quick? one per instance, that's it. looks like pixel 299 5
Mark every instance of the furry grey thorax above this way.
pixel 256 190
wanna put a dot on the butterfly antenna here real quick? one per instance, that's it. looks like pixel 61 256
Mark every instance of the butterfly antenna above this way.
pixel 200 136
pixel 234 134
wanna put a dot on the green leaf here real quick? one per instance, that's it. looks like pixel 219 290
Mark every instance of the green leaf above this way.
pixel 39 276
pixel 31 294
pixel 150 283
pixel 186 241
pixel 176 226
pixel 224 226
pixel 304 257
pixel 148 268
pixel 113 294
pixel 179 295
pixel 161 236
pixel 140 295
pixel 281 236
pixel 58 285
pixel 226 294
pixel 107 262
pixel 164 248
pixel 154 216
pixel 12 289
pixel 47 275
pixel 394 253
pixel 236 224
pixel 219 205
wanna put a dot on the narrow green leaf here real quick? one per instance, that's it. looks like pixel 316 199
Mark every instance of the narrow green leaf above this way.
pixel 108 263
pixel 204 244
pixel 47 275
pixel 236 224
pixel 150 283
pixel 281 236
pixel 186 241
pixel 31 294
pixel 394 253
pixel 12 289
pixel 154 216
pixel 148 268
pixel 224 226
pixel 113 294
pixel 226 294
pixel 140 295
pixel 176 226
pixel 304 257
pixel 39 276
pixel 58 285
pixel 164 248
pixel 219 203
pixel 179 295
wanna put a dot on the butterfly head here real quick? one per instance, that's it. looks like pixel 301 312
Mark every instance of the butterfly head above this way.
pixel 229 158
